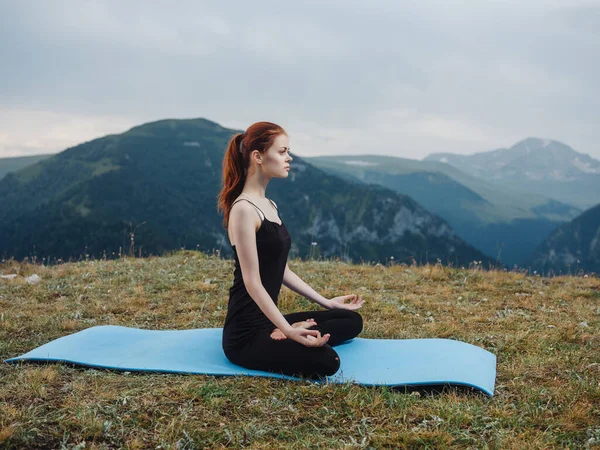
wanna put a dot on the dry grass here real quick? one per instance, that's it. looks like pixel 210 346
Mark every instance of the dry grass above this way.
pixel 545 332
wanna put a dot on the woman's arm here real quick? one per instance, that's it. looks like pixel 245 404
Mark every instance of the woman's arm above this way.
pixel 295 283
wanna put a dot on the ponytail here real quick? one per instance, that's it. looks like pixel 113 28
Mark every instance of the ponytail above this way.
pixel 234 175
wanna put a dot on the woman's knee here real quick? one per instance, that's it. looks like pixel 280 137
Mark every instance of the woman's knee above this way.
pixel 356 321
pixel 330 363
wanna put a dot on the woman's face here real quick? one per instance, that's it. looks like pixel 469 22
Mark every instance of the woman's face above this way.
pixel 276 159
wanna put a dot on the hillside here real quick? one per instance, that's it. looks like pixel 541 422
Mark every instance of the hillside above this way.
pixel 544 331
pixel 495 220
pixel 574 246
pixel 160 181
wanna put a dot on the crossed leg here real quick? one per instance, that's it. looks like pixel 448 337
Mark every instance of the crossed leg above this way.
pixel 292 358
pixel 341 324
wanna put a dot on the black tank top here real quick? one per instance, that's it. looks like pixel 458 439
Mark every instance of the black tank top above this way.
pixel 244 318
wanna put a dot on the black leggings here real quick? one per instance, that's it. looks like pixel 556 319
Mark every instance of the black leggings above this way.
pixel 292 358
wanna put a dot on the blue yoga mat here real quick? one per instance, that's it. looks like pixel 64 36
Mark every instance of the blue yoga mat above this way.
pixel 390 362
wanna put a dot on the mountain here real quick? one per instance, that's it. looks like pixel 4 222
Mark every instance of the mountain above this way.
pixel 16 163
pixel 157 183
pixel 572 247
pixel 498 221
pixel 535 165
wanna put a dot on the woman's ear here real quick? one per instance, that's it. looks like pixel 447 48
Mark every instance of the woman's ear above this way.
pixel 257 156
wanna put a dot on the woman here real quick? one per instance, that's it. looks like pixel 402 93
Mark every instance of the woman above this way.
pixel 256 335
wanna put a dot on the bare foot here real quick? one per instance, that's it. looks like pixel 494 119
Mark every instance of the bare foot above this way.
pixel 304 324
pixel 278 335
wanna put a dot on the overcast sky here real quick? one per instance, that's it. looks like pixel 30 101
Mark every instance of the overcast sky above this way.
pixel 403 78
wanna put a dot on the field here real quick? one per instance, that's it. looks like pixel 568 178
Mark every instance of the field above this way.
pixel 544 331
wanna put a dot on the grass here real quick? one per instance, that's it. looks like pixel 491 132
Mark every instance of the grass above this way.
pixel 544 331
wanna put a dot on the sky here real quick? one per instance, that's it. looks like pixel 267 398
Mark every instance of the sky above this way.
pixel 400 78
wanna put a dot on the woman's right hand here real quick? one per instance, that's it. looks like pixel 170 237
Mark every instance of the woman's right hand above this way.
pixel 309 338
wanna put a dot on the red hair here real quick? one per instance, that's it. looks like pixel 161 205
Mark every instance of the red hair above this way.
pixel 259 136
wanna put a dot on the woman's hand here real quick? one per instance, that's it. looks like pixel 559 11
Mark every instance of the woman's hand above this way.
pixel 309 338
pixel 278 335
pixel 340 302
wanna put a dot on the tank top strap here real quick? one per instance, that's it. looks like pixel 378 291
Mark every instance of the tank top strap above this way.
pixel 240 199
pixel 276 208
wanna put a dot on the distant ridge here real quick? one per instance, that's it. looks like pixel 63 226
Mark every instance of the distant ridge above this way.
pixel 15 163
pixel 542 166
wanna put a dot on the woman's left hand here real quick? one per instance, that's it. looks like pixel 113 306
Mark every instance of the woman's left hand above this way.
pixel 340 302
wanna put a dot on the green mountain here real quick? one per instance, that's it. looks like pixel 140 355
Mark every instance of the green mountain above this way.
pixel 542 166
pixel 14 164
pixel 498 221
pixel 572 247
pixel 159 181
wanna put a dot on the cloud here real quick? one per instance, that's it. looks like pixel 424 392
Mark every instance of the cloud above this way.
pixel 404 78
pixel 580 17
pixel 31 132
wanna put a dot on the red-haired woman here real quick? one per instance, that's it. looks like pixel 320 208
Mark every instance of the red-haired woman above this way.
pixel 256 335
